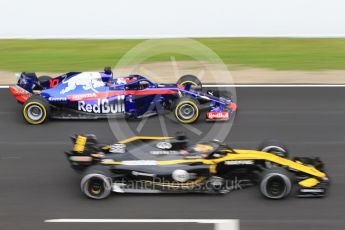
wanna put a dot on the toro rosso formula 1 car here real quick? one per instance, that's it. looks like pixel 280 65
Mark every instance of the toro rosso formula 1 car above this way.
pixel 144 164
pixel 92 95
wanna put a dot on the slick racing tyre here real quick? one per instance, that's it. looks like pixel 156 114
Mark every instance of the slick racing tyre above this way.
pixel 36 110
pixel 44 78
pixel 274 147
pixel 190 79
pixel 187 110
pixel 276 183
pixel 96 183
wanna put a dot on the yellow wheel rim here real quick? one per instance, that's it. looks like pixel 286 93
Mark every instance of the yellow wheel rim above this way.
pixel 27 116
pixel 193 118
pixel 186 82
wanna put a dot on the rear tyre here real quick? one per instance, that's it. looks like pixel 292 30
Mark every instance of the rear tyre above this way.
pixel 190 79
pixel 187 110
pixel 36 110
pixel 96 183
pixel 274 147
pixel 44 78
pixel 276 183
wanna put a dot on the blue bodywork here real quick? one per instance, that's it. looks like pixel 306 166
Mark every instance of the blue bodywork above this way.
pixel 97 94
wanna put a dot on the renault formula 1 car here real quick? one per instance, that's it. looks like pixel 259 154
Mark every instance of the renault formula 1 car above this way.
pixel 144 164
pixel 92 95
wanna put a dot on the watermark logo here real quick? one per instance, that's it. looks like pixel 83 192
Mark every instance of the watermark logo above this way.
pixel 206 65
pixel 182 183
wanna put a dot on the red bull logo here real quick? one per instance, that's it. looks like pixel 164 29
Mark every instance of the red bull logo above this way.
pixel 103 106
pixel 218 115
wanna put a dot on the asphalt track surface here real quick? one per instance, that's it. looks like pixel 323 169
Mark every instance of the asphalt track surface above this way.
pixel 36 182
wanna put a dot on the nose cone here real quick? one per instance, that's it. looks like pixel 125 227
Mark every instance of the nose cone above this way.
pixel 232 106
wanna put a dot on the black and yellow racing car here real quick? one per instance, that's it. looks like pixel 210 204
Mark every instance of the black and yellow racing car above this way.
pixel 145 164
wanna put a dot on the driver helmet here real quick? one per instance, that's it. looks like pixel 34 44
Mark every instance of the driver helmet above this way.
pixel 203 149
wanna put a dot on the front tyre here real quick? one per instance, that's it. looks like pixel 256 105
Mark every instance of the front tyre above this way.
pixel 276 183
pixel 36 110
pixel 96 183
pixel 274 147
pixel 187 110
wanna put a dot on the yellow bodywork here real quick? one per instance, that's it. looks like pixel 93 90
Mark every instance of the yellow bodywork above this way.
pixel 308 183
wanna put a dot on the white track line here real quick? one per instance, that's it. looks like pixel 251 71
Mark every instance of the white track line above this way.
pixel 219 224
pixel 201 221
pixel 257 86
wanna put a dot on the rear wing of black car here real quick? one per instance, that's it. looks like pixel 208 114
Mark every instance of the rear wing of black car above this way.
pixel 85 152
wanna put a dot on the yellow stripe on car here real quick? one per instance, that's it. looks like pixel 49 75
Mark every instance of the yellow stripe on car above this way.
pixel 258 155
pixel 131 139
pixel 308 183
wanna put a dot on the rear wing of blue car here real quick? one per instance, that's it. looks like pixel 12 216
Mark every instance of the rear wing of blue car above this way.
pixel 28 81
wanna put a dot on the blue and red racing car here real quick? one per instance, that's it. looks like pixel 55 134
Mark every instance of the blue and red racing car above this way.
pixel 93 95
